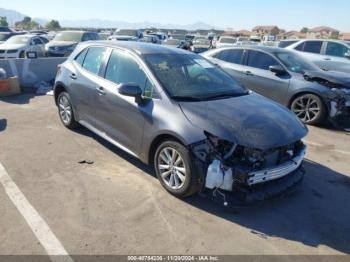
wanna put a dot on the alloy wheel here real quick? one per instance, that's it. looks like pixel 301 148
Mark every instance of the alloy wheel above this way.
pixel 306 108
pixel 65 110
pixel 171 167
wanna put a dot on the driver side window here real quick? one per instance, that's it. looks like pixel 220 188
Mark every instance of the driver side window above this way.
pixel 335 49
pixel 260 60
pixel 122 68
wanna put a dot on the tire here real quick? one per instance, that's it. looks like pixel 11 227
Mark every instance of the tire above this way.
pixel 65 111
pixel 179 170
pixel 22 54
pixel 310 109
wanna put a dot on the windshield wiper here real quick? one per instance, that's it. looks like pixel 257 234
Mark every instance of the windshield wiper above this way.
pixel 225 95
pixel 187 98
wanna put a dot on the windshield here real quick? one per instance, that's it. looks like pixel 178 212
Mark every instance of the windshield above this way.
pixel 191 77
pixel 202 41
pixel 69 36
pixel 228 40
pixel 126 32
pixel 18 40
pixel 296 63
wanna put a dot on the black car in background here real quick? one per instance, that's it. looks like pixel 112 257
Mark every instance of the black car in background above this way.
pixel 314 95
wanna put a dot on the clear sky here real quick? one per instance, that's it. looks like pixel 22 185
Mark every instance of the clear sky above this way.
pixel 236 14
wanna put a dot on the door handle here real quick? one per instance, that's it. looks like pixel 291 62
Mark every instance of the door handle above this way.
pixel 100 90
pixel 327 59
pixel 73 76
pixel 248 73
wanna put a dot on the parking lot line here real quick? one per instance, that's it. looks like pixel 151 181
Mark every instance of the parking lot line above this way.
pixel 41 230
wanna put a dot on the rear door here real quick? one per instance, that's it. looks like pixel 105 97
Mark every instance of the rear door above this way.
pixel 312 50
pixel 260 79
pixel 231 60
pixel 84 82
pixel 334 57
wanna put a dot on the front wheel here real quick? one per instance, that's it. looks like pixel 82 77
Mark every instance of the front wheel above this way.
pixel 174 167
pixel 310 109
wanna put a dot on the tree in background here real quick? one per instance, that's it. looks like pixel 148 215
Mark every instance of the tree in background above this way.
pixel 335 35
pixel 304 30
pixel 275 31
pixel 27 24
pixel 53 25
pixel 3 21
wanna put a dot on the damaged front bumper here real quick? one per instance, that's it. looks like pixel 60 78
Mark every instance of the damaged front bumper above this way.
pixel 276 188
pixel 265 175
pixel 249 174
pixel 339 112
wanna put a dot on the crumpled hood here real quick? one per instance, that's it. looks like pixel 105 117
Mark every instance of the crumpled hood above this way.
pixel 61 43
pixel 251 121
pixel 336 78
pixel 12 46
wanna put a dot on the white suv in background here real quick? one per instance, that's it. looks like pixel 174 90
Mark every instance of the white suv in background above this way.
pixel 326 53
pixel 17 46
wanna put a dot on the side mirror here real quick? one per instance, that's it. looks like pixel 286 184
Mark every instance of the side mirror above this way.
pixel 277 69
pixel 130 89
pixel 347 55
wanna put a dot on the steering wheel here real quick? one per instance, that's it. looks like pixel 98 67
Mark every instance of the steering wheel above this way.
pixel 202 77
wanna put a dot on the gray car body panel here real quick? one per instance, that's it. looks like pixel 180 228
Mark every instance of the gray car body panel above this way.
pixel 279 88
pixel 324 61
pixel 248 120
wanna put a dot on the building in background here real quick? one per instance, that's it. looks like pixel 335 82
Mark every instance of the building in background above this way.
pixel 266 30
pixel 344 36
pixel 322 32
pixel 292 35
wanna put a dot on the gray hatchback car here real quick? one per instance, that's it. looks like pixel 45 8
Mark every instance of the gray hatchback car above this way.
pixel 188 117
pixel 314 95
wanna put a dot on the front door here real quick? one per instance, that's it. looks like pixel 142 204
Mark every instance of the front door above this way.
pixel 122 117
pixel 261 80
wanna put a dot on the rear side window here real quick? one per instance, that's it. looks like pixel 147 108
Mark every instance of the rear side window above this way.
pixel 123 69
pixel 336 49
pixel 80 58
pixel 260 60
pixel 310 47
pixel 94 59
pixel 37 41
pixel 284 44
pixel 231 56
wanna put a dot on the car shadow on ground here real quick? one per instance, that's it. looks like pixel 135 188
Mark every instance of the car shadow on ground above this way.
pixel 21 99
pixel 3 124
pixel 316 214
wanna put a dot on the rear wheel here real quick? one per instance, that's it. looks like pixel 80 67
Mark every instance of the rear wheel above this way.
pixel 174 168
pixel 65 110
pixel 309 108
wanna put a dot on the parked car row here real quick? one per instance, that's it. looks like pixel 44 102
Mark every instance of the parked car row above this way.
pixel 314 95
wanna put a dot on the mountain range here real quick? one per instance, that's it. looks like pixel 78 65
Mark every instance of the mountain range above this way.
pixel 14 16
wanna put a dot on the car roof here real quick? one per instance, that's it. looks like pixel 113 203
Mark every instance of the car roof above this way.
pixel 140 48
pixel 269 49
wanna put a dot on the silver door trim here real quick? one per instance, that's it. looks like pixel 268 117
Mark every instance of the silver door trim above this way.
pixel 106 137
